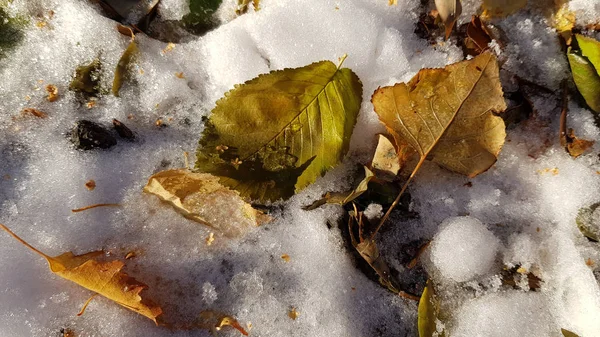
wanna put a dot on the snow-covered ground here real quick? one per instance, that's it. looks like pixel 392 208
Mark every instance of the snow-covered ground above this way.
pixel 525 205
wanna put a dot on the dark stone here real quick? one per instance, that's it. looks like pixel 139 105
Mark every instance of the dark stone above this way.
pixel 123 131
pixel 88 135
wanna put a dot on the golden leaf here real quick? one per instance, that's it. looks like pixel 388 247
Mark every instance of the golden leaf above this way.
pixel 501 8
pixel 104 278
pixel 447 115
pixel 200 197
pixel 122 69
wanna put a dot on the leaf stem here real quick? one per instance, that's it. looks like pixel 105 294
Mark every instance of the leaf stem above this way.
pixel 93 206
pixel 85 305
pixel 23 241
pixel 389 211
pixel 342 59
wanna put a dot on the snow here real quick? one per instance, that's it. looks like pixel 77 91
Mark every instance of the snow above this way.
pixel 459 259
pixel 520 213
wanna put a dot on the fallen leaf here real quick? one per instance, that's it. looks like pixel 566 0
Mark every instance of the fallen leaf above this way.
pixel 567 333
pixel 478 37
pixel 293 314
pixel 104 278
pixel 52 92
pixel 282 130
pixel 35 112
pixel 427 312
pixel 585 66
pixel 122 69
pixel 587 222
pixel 90 184
pixel 214 321
pixel 449 11
pixel 200 197
pixel 387 160
pixel 87 79
pixel 342 198
pixel 501 8
pixel 447 115
pixel 564 21
pixel 573 145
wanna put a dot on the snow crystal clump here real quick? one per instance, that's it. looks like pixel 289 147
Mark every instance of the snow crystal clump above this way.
pixel 463 249
pixel 173 9
pixel 505 314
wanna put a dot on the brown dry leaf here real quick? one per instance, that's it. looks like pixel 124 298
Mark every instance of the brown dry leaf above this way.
pixel 574 146
pixel 35 112
pixel 478 37
pixel 342 198
pixel 368 250
pixel 449 11
pixel 104 278
pixel 214 321
pixel 90 184
pixel 200 197
pixel 501 8
pixel 52 92
pixel 447 115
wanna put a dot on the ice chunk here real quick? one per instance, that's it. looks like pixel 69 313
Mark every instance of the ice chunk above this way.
pixel 463 248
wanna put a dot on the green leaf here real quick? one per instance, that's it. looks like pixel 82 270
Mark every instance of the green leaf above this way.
pixel 585 63
pixel 201 16
pixel 276 134
pixel 11 31
pixel 568 333
pixel 87 78
pixel 588 226
pixel 427 312
pixel 342 198
pixel 123 67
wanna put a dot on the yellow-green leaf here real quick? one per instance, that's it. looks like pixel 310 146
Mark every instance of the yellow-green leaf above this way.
pixel 585 66
pixel 122 69
pixel 274 135
pixel 568 333
pixel 427 312
pixel 448 114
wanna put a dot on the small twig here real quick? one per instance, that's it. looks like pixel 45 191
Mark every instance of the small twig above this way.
pixel 563 135
pixel 93 206
pixel 408 296
pixel 421 250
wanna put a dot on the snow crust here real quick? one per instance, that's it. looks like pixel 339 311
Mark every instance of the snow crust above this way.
pixel 528 201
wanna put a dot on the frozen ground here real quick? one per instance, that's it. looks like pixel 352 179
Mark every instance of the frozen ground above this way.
pixel 525 205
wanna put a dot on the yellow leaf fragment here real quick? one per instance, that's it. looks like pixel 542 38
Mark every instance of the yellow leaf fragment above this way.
pixel 122 69
pixel 501 8
pixel 392 2
pixel 201 198
pixel 427 312
pixel 214 321
pixel 293 313
pixel 52 92
pixel 210 238
pixel 104 278
pixel 285 257
pixel 34 112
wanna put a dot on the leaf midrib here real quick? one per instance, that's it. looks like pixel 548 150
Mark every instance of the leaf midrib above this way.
pixel 304 109
pixel 444 129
